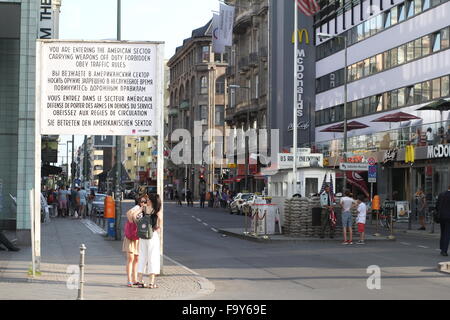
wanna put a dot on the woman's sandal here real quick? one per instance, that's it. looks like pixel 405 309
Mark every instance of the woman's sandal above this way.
pixel 130 285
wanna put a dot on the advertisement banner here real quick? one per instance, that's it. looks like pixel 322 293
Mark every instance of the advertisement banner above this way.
pixel 98 88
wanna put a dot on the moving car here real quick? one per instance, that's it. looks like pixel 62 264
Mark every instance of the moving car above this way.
pixel 238 202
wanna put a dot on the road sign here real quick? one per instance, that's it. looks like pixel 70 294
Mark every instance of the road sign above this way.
pixel 371 161
pixel 354 167
pixel 372 174
pixel 98 87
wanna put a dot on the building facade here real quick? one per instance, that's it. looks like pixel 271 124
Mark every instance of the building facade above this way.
pixel 197 94
pixel 248 90
pixel 140 158
pixel 398 61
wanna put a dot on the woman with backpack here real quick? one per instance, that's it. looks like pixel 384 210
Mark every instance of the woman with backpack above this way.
pixel 149 245
pixel 131 241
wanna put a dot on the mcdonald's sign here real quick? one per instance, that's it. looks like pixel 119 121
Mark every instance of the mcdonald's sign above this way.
pixel 409 154
pixel 301 32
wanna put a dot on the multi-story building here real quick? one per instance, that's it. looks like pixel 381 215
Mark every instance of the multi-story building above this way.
pixel 247 77
pixel 398 61
pixel 140 158
pixel 197 93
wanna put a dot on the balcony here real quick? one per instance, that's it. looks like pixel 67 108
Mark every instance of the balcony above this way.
pixel 243 64
pixel 253 59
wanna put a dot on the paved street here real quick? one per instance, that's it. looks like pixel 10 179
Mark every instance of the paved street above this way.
pixel 242 269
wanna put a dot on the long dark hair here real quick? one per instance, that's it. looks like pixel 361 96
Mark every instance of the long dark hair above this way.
pixel 156 202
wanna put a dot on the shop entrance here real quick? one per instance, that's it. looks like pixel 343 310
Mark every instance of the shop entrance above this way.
pixel 399 183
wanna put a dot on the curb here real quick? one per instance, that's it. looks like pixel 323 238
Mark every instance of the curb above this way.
pixel 444 267
pixel 206 286
pixel 294 240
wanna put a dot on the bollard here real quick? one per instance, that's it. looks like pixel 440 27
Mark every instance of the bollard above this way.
pixel 81 285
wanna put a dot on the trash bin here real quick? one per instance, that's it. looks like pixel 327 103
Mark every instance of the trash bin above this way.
pixel 111 227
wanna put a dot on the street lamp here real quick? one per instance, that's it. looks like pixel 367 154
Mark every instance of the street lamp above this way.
pixel 329 36
pixel 235 86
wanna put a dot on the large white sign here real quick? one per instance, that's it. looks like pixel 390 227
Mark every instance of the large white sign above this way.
pixel 98 88
pixel 304 160
pixel 45 19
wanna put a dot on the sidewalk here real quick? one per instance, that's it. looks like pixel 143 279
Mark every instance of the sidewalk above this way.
pixel 402 228
pixel 105 277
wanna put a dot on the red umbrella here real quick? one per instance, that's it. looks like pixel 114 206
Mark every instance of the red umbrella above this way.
pixel 397 117
pixel 353 125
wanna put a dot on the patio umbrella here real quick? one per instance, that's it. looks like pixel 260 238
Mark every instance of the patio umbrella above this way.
pixel 439 105
pixel 396 117
pixel 353 125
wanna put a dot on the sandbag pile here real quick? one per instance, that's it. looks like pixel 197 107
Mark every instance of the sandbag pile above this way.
pixel 298 218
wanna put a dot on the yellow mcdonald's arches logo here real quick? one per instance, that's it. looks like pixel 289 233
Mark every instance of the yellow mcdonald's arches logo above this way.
pixel 301 32
pixel 410 154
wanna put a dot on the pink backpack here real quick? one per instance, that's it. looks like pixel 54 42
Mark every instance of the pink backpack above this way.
pixel 131 231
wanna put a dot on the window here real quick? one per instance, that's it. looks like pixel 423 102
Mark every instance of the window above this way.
pixel 394 57
pixel 401 12
pixel 436 42
pixel 401 58
pixel 366 106
pixel 217 57
pixel 386 101
pixel 220 85
pixel 220 119
pixel 205 54
pixel 379 23
pixel 418 93
pixel 203 112
pixel 435 2
pixel 360 30
pixel 366 29
pixel 203 85
pixel 410 51
pixel 394 15
pixel 436 87
pixel 401 97
pixel 256 87
pixel 445 90
pixel 359 107
pixel 129 158
pixel 418 48
pixel 410 5
pixel 426 45
pixel 426 88
pixel 129 145
pixel 418 6
pixel 410 95
pixel 379 63
pixel 351 112
pixel 444 38
pixel 373 65
pixel 379 104
pixel 366 67
pixel 387 19
pixel 373 26
pixel 394 99
pixel 360 70
pixel 426 5
pixel 386 60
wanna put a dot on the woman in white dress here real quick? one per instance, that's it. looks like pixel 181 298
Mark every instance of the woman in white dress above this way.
pixel 150 249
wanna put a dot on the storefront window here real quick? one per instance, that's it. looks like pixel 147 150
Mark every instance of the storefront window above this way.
pixel 436 85
pixel 445 90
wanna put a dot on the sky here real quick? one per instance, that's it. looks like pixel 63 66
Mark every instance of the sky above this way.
pixel 170 21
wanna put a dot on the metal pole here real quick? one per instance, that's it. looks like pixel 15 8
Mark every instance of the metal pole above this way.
pixel 248 128
pixel 295 125
pixel 118 201
pixel 410 194
pixel 81 284
pixel 72 167
pixel 345 109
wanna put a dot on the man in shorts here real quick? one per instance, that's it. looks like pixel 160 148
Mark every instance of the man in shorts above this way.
pixel 347 204
pixel 62 200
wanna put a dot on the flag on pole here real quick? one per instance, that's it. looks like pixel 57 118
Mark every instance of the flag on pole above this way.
pixel 308 7
pixel 222 28
pixel 324 183
pixel 218 45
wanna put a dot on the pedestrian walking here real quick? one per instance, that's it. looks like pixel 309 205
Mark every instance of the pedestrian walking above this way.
pixel 189 201
pixel 327 206
pixel 149 221
pixel 202 194
pixel 90 201
pixel 347 203
pixel 63 195
pixel 443 207
pixel 421 207
pixel 131 242
pixel 177 198
pixel 82 202
pixel 73 202
pixel 361 219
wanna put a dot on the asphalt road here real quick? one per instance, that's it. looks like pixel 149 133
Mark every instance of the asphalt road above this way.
pixel 241 269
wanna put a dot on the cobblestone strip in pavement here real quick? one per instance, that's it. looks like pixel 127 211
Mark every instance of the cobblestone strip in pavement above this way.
pixel 105 277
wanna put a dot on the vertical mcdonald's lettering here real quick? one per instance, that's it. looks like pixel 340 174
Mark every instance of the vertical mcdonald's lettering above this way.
pixel 301 32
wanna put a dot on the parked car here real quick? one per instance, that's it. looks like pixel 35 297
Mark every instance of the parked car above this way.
pixel 238 201
pixel 98 205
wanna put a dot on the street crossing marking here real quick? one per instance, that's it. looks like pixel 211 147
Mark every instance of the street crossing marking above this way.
pixel 215 230
pixel 424 247
pixel 405 243
pixel 93 227
pixel 205 224
pixel 199 220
